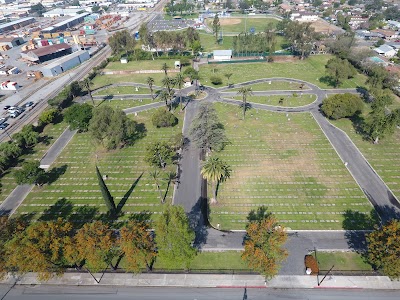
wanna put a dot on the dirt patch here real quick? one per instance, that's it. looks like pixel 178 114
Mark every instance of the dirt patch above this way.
pixel 321 26
pixel 230 21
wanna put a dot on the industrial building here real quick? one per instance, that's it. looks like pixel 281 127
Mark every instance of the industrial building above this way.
pixel 46 53
pixel 61 12
pixel 222 55
pixel 16 24
pixel 66 24
pixel 65 63
pixel 10 42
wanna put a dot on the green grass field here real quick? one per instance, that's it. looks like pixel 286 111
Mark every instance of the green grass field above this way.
pixel 123 104
pixel 384 157
pixel 76 194
pixel 288 166
pixel 102 80
pixel 343 261
pixel 123 90
pixel 140 65
pixel 288 101
pixel 238 25
pixel 48 136
pixel 311 70
pixel 275 85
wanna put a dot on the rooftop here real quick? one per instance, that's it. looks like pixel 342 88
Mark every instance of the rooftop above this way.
pixel 15 22
pixel 64 59
pixel 46 50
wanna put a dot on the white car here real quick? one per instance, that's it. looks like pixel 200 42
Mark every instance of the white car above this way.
pixel 14 114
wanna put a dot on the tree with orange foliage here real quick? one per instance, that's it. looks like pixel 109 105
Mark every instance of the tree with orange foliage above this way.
pixel 263 242
pixel 384 249
pixel 39 248
pixel 95 243
pixel 137 244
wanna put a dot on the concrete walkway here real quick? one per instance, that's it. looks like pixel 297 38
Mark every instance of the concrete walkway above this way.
pixel 210 280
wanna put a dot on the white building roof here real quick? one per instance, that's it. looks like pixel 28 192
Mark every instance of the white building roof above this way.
pixel 384 49
pixel 222 52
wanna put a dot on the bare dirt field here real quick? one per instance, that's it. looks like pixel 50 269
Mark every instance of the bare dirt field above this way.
pixel 323 26
pixel 229 21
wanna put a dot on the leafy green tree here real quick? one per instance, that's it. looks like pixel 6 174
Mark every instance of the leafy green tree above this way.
pixel 206 130
pixel 179 82
pixel 78 116
pixel 112 128
pixel 263 251
pixel 384 249
pixel 164 96
pixel 27 137
pixel 108 199
pixel 339 70
pixel 215 171
pixel 301 36
pixel 162 118
pixel 216 80
pixel 30 173
pixel 122 41
pixel 87 83
pixel 174 238
pixel 137 245
pixel 159 154
pixel 40 248
pixel 48 116
pixel 150 82
pixel 216 26
pixel 380 123
pixel 245 92
pixel 195 46
pixel 342 105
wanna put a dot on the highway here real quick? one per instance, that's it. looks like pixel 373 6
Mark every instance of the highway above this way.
pixel 43 292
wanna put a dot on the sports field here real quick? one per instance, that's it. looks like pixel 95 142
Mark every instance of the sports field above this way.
pixel 287 164
pixel 238 25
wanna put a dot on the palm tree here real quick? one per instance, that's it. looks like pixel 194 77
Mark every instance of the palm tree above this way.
pixel 245 92
pixel 87 83
pixel 150 82
pixel 165 68
pixel 164 96
pixel 228 75
pixel 168 83
pixel 170 177
pixel 215 171
pixel 195 76
pixel 156 175
pixel 180 81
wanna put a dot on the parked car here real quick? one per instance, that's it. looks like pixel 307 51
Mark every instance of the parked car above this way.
pixel 7 107
pixel 2 120
pixel 3 126
pixel 15 114
pixel 12 109
pixel 29 104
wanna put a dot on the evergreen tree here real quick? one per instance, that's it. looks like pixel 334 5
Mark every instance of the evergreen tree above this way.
pixel 108 199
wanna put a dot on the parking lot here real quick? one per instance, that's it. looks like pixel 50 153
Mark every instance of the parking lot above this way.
pixel 159 24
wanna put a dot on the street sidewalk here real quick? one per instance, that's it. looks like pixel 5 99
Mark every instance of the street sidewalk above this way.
pixel 211 280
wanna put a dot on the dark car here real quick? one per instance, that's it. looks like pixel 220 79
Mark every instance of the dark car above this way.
pixel 29 104
pixel 7 107
pixel 3 126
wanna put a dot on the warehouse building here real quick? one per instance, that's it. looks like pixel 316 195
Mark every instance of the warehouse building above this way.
pixel 61 12
pixel 65 63
pixel 66 24
pixel 46 53
pixel 16 24
pixel 10 42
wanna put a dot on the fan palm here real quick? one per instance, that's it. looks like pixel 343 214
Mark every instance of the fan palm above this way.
pixel 215 171
pixel 150 82
pixel 245 92
pixel 180 81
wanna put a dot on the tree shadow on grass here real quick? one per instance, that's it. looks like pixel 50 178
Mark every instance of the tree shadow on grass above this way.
pixel 55 173
pixel 143 216
pixel 82 215
pixel 61 209
pixel 45 140
pixel 128 194
pixel 329 80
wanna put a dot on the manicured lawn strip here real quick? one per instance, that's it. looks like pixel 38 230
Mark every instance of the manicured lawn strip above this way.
pixel 343 261
pixel 288 166
pixel 123 104
pixel 49 135
pixel 79 185
pixel 208 42
pixel 275 85
pixel 288 101
pixel 140 65
pixel 310 70
pixel 123 90
pixel 245 24
pixel 102 80
pixel 384 157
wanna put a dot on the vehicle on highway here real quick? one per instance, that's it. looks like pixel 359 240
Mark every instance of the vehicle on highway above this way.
pixel 29 104
pixel 7 107
pixel 12 109
pixel 14 114
pixel 3 126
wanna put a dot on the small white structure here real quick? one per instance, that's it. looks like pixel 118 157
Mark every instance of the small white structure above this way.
pixel 9 85
pixel 188 82
pixel 222 55
pixel 386 50
pixel 177 64
pixel 124 60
